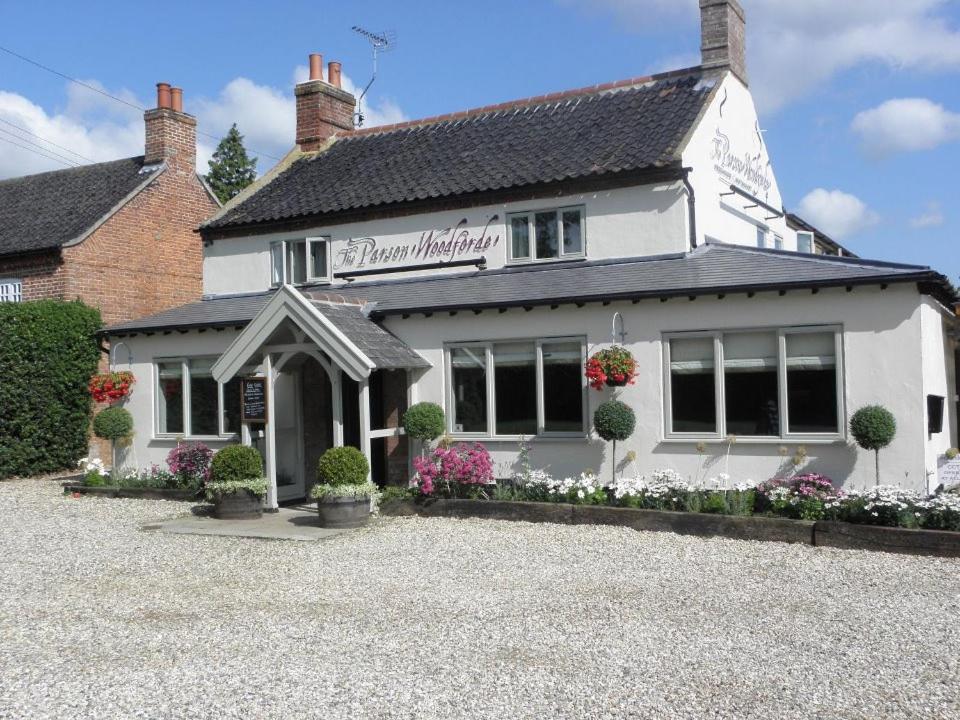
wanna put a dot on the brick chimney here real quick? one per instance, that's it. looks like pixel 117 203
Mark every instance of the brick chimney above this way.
pixel 171 133
pixel 723 30
pixel 323 107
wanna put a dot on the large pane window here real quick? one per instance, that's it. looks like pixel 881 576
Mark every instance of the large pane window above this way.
pixel 750 384
pixel 204 398
pixel 693 385
pixel 468 369
pixel 515 381
pixel 170 400
pixel 563 387
pixel 812 382
pixel 546 234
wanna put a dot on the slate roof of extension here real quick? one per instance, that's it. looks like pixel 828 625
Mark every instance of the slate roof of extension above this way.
pixel 589 133
pixel 712 269
pixel 383 349
pixel 48 210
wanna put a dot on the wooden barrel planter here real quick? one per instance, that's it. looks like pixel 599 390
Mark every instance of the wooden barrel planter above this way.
pixel 344 512
pixel 240 505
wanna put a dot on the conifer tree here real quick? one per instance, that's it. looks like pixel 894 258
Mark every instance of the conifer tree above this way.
pixel 231 169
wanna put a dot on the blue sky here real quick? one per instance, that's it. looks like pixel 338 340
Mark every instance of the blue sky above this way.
pixel 860 102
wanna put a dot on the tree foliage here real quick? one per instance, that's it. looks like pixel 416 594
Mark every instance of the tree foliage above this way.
pixel 343 466
pixel 614 420
pixel 48 352
pixel 424 421
pixel 231 169
pixel 236 463
pixel 113 423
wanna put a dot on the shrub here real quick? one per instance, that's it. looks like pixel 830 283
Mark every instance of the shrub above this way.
pixel 189 464
pixel 113 423
pixel 236 463
pixel 343 466
pixel 802 497
pixel 424 421
pixel 48 351
pixel 215 489
pixel 456 470
pixel 614 420
pixel 873 427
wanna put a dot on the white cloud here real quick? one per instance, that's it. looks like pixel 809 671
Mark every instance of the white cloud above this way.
pixel 905 124
pixel 837 213
pixel 931 217
pixel 794 47
pixel 96 128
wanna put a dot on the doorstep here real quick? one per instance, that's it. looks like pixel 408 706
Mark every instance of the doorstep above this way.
pixel 289 523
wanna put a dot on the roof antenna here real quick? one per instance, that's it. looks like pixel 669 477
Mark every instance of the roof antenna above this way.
pixel 379 42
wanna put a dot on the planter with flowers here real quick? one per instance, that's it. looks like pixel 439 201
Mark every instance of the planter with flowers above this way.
pixel 612 367
pixel 112 386
pixel 344 494
pixel 236 486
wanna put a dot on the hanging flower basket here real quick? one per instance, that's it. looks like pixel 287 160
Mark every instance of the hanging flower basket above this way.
pixel 611 367
pixel 112 386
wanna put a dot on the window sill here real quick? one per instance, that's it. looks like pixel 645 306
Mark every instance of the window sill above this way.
pixel 573 437
pixel 790 440
pixel 546 261
pixel 195 438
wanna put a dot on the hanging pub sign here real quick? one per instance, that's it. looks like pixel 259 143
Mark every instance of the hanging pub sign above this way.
pixel 253 399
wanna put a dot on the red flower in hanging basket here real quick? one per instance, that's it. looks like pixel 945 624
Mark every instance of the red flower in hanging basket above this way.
pixel 613 366
pixel 110 387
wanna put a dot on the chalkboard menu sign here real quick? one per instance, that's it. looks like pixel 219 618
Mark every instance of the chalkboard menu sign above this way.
pixel 253 396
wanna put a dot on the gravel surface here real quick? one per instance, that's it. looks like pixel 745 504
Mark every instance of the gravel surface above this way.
pixel 427 618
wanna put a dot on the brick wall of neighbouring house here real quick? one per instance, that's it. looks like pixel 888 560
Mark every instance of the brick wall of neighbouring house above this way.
pixel 41 274
pixel 146 257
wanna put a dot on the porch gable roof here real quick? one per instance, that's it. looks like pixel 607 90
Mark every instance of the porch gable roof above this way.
pixel 354 343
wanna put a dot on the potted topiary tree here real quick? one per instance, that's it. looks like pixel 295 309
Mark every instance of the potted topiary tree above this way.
pixel 344 492
pixel 873 427
pixel 614 420
pixel 236 486
pixel 113 424
pixel 424 422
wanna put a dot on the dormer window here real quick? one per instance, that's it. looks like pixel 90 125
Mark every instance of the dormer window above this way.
pixel 296 262
pixel 805 242
pixel 556 234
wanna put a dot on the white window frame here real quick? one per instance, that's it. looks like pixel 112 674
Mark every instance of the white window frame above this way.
pixel 777 241
pixel 813 243
pixel 529 215
pixel 487 347
pixel 719 386
pixel 763 237
pixel 11 290
pixel 187 421
pixel 287 248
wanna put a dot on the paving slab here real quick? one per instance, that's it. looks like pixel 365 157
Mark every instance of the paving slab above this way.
pixel 292 523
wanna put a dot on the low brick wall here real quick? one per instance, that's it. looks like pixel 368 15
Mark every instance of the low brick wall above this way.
pixel 766 529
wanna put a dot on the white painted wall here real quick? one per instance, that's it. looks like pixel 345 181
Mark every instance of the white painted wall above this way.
pixel 937 358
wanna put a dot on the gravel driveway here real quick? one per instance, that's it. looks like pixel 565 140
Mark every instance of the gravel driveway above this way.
pixel 425 618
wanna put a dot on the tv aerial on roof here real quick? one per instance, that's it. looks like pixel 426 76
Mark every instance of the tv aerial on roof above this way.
pixel 379 43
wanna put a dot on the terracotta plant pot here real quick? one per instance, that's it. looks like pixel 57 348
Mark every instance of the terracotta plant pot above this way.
pixel 240 505
pixel 344 512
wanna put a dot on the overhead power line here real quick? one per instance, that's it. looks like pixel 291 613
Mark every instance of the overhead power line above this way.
pixel 40 147
pixel 37 152
pixel 49 142
pixel 108 95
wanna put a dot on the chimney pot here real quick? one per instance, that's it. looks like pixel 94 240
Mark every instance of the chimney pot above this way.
pixel 723 30
pixel 176 99
pixel 316 66
pixel 163 95
pixel 333 74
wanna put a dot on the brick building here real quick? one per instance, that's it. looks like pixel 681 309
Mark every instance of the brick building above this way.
pixel 118 235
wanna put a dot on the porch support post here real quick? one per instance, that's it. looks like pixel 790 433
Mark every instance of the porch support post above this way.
pixel 365 422
pixel 336 398
pixel 271 459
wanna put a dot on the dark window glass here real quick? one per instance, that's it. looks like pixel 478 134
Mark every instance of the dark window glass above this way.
pixel 520 237
pixel 297 262
pixel 204 400
pixel 572 232
pixel 812 383
pixel 469 380
pixel 692 386
pixel 231 406
pixel 318 259
pixel 515 387
pixel 562 387
pixel 751 387
pixel 170 415
pixel 545 229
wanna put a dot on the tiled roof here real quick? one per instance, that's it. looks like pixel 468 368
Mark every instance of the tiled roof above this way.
pixel 45 211
pixel 592 134
pixel 385 350
pixel 713 269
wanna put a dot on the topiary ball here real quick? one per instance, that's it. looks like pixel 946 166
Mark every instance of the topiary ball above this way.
pixel 614 420
pixel 424 421
pixel 873 427
pixel 113 423
pixel 343 466
pixel 236 463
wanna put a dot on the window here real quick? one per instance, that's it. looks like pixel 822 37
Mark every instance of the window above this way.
pixel 778 242
pixel 190 402
pixel 299 261
pixel 756 383
pixel 546 234
pixel 520 387
pixel 11 290
pixel 761 237
pixel 805 242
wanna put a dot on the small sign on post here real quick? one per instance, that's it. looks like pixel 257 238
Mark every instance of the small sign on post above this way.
pixel 253 399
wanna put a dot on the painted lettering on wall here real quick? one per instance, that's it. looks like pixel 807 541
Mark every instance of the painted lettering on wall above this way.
pixel 440 245
pixel 747 170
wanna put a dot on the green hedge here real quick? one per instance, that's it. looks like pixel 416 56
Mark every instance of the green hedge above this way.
pixel 48 352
